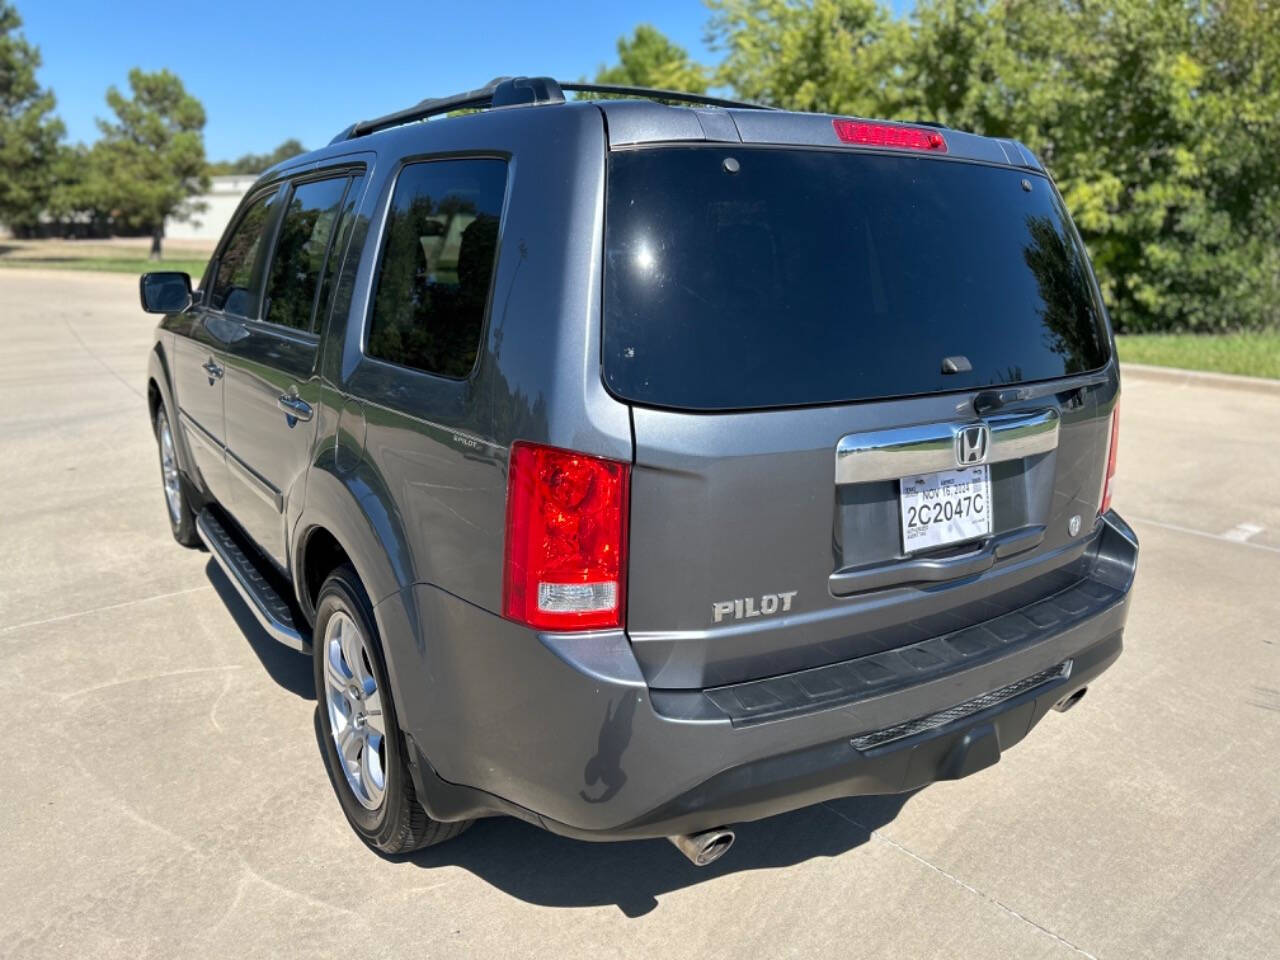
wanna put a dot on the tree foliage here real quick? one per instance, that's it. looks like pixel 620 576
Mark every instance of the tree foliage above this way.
pixel 254 163
pixel 76 196
pixel 831 56
pixel 1160 120
pixel 149 164
pixel 29 131
pixel 648 59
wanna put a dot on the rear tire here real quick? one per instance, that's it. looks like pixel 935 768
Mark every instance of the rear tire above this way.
pixel 182 518
pixel 360 733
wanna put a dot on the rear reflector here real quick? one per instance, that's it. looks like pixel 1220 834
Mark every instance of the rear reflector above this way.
pixel 1108 479
pixel 889 135
pixel 566 551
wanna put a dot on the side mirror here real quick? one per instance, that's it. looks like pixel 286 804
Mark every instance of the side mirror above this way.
pixel 165 292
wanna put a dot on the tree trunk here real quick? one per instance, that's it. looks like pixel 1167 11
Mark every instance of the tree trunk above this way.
pixel 157 238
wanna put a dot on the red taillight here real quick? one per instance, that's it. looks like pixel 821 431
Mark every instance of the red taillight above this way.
pixel 566 551
pixel 1108 479
pixel 889 135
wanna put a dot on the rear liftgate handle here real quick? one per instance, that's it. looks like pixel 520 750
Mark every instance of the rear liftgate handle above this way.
pixel 897 452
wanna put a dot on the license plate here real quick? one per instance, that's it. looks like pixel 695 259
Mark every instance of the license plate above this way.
pixel 944 508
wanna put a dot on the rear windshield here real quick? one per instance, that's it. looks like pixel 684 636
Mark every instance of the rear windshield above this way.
pixel 740 278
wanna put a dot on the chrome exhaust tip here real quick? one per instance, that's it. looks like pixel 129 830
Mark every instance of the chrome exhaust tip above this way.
pixel 1066 703
pixel 705 848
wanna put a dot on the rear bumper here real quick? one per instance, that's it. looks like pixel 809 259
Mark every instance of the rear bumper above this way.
pixel 563 731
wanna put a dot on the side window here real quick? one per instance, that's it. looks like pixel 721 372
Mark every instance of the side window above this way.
pixel 438 253
pixel 303 243
pixel 340 239
pixel 235 288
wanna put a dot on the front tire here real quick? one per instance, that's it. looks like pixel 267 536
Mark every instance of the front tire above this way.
pixel 182 518
pixel 360 733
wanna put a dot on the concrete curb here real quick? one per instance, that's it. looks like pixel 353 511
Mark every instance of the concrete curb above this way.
pixel 1200 378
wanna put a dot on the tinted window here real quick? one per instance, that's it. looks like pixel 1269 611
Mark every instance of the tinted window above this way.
pixel 308 226
pixel 336 253
pixel 821 276
pixel 437 260
pixel 237 286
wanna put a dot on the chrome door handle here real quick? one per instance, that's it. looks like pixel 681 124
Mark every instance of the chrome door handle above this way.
pixel 213 371
pixel 295 408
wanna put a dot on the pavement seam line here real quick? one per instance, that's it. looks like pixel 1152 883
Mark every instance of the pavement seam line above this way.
pixel 1242 532
pixel 1205 533
pixel 106 366
pixel 124 681
pixel 109 606
pixel 960 883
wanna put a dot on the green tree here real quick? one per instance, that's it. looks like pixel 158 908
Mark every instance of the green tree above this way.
pixel 648 59
pixel 1158 119
pixel 29 132
pixel 831 56
pixel 76 197
pixel 258 162
pixel 150 163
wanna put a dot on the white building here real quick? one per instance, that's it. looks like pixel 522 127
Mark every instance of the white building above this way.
pixel 221 201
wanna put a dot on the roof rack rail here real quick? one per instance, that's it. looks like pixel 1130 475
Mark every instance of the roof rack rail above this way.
pixel 514 91
pixel 655 94
pixel 498 92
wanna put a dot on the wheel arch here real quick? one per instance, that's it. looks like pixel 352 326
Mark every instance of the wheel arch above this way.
pixel 319 554
pixel 159 380
pixel 160 391
pixel 344 520
pixel 154 399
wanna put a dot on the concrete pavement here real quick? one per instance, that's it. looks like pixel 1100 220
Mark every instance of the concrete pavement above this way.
pixel 162 793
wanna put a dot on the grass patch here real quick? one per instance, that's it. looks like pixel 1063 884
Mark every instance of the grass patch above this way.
pixel 134 265
pixel 1250 354
pixel 127 255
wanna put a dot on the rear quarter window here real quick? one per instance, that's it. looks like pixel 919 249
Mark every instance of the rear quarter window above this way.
pixel 802 276
pixel 439 248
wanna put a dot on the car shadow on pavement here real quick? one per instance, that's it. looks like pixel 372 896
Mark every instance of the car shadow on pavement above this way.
pixel 541 868
pixel 290 669
pixel 544 869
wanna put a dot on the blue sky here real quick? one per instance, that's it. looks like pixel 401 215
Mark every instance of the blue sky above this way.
pixel 267 70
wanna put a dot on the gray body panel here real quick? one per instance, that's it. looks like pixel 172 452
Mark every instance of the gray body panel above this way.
pixel 744 505
pixel 200 417
pixel 567 727
pixel 267 454
pixel 406 471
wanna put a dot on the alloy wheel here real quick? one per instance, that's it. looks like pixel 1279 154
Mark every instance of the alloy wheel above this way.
pixel 354 703
pixel 169 469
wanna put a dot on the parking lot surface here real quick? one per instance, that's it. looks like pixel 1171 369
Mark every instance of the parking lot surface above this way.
pixel 162 794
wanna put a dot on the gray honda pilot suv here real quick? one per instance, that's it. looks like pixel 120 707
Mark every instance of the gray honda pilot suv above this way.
pixel 637 467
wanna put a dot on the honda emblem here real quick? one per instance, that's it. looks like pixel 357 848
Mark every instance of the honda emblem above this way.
pixel 972 444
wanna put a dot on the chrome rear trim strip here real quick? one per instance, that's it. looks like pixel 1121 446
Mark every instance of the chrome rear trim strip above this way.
pixel 931 447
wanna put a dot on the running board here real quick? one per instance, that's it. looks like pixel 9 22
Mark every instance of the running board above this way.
pixel 271 610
